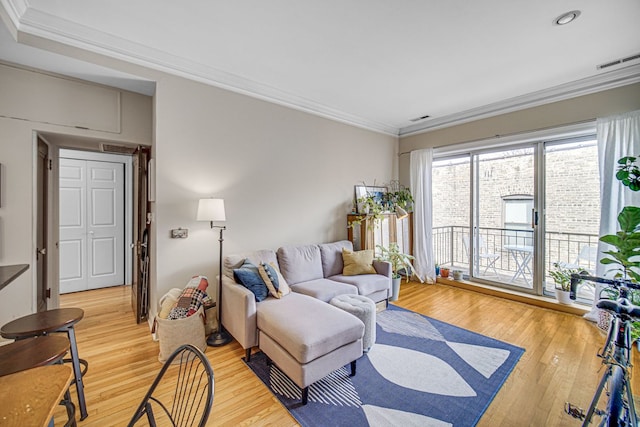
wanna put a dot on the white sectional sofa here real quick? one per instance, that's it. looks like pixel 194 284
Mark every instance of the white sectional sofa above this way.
pixel 306 337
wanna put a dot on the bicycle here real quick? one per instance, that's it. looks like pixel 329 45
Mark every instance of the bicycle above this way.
pixel 616 357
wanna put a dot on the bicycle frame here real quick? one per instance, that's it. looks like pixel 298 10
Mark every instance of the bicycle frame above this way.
pixel 615 355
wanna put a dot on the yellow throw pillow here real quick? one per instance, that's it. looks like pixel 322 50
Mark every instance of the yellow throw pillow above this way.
pixel 358 262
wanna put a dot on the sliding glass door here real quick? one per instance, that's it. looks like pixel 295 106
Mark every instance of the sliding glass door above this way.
pixel 503 205
pixel 505 215
pixel 572 208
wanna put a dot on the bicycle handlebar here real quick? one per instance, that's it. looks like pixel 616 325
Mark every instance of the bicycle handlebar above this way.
pixel 614 283
pixel 621 306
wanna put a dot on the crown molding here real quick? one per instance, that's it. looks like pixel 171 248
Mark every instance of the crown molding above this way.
pixel 30 21
pixel 11 12
pixel 40 24
pixel 609 80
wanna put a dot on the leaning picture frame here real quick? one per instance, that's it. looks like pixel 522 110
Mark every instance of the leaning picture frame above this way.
pixel 361 191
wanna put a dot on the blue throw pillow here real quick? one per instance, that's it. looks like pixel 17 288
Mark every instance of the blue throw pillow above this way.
pixel 249 277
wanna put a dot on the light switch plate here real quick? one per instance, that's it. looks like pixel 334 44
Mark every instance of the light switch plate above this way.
pixel 179 233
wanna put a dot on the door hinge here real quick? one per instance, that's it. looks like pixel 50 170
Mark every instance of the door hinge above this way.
pixel 48 292
pixel 50 164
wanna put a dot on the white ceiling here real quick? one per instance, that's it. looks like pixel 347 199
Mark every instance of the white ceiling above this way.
pixel 373 63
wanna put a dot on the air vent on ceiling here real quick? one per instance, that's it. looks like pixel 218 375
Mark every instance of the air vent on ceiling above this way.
pixel 619 61
pixel 117 149
pixel 417 119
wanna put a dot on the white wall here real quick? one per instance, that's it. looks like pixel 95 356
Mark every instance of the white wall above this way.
pixel 286 177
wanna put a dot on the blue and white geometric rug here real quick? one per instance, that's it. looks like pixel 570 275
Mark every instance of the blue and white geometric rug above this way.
pixel 420 372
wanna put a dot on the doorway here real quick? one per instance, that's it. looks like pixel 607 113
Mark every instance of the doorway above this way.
pixel 92 219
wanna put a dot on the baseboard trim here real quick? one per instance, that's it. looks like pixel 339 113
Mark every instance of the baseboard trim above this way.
pixel 535 300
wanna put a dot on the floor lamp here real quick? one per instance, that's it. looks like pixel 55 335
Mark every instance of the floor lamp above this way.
pixel 213 210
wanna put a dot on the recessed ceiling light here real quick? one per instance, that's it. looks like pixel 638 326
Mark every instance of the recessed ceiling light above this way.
pixel 565 18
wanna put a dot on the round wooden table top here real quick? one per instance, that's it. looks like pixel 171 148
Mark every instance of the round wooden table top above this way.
pixel 40 323
pixel 32 352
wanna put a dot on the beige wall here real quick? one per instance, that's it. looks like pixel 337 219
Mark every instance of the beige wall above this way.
pixel 27 112
pixel 588 107
pixel 286 177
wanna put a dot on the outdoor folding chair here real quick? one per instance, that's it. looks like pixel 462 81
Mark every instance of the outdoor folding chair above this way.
pixel 482 253
pixel 586 260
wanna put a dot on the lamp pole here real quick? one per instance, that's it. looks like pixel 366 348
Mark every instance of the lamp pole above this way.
pixel 221 337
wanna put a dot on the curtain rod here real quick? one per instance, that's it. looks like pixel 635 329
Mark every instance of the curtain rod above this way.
pixel 508 135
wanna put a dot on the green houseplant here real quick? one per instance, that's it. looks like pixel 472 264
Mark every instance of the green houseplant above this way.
pixel 626 241
pixel 399 195
pixel 561 275
pixel 399 261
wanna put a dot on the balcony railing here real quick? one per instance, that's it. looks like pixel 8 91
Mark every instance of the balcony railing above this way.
pixel 451 249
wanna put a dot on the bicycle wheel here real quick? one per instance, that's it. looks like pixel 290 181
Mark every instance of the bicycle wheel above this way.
pixel 617 410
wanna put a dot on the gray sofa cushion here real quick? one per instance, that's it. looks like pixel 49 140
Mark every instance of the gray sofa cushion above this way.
pixel 255 257
pixel 332 257
pixel 306 327
pixel 367 284
pixel 300 263
pixel 324 289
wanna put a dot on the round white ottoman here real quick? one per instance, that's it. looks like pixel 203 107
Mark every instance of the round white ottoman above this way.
pixel 364 309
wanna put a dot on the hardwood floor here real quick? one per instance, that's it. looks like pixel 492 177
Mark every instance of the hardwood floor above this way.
pixel 559 364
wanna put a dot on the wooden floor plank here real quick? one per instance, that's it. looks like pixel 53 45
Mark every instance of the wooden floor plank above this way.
pixel 559 364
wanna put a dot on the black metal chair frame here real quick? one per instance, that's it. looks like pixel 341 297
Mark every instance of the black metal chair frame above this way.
pixel 193 393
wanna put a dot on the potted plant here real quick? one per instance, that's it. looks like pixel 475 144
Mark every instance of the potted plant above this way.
pixel 399 195
pixel 626 242
pixel 562 276
pixel 399 262
pixel 371 211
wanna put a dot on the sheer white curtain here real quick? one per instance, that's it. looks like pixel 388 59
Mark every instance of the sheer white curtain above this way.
pixel 618 136
pixel 420 169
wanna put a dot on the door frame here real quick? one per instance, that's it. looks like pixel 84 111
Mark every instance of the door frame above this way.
pixel 474 226
pixel 537 139
pixel 52 219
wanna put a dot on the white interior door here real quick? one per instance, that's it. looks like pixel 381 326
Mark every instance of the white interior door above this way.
pixel 91 224
pixel 73 226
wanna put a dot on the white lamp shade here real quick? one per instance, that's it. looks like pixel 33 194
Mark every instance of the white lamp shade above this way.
pixel 211 210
